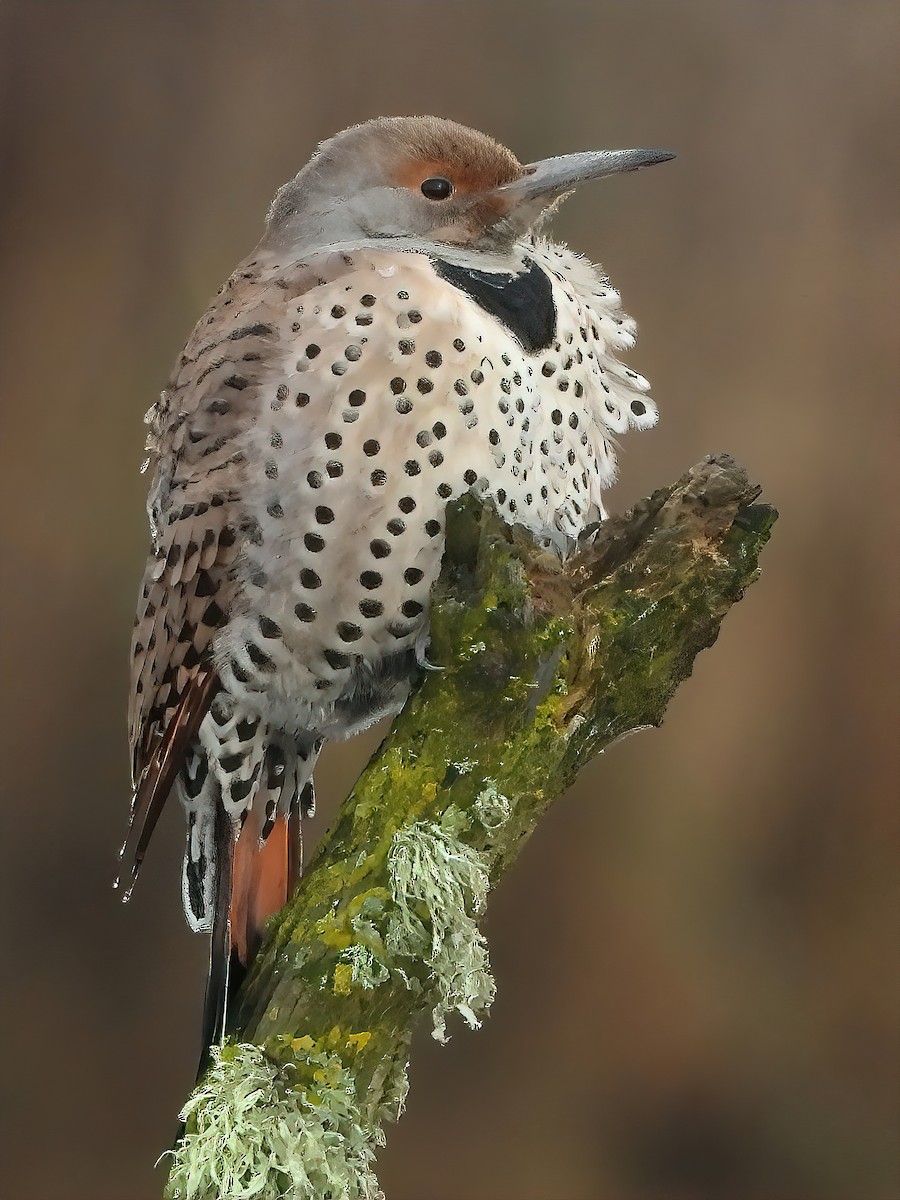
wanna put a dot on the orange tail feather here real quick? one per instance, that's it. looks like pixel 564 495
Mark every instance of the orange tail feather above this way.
pixel 253 883
pixel 260 881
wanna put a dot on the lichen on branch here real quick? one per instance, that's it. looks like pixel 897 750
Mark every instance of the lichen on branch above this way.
pixel 260 1129
pixel 439 885
pixel 544 665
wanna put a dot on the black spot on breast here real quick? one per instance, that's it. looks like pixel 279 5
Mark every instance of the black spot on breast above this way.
pixel 523 303
pixel 259 659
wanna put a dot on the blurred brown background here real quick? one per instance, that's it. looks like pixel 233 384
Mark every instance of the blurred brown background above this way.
pixel 697 956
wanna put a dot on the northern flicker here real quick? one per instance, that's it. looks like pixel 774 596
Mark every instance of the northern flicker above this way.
pixel 400 335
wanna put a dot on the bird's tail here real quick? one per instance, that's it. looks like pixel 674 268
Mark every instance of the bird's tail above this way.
pixel 254 878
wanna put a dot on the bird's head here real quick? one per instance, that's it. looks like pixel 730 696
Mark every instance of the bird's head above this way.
pixel 432 181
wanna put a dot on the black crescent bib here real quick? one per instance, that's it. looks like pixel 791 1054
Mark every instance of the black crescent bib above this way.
pixel 523 303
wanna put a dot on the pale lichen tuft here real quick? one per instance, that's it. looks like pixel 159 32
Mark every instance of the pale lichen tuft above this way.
pixel 491 808
pixel 365 969
pixel 439 885
pixel 260 1130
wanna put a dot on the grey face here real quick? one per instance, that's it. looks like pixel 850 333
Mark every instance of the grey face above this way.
pixel 429 181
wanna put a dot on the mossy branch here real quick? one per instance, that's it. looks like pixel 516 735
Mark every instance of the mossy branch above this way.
pixel 543 666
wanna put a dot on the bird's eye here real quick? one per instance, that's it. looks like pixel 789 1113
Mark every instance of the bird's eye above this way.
pixel 437 188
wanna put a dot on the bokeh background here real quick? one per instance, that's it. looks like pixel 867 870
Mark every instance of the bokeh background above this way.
pixel 697 955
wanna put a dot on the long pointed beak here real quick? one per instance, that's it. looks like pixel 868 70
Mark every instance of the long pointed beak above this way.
pixel 547 180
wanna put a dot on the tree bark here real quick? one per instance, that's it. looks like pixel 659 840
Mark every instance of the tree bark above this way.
pixel 543 665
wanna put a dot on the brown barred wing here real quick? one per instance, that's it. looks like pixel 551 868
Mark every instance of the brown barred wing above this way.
pixel 184 600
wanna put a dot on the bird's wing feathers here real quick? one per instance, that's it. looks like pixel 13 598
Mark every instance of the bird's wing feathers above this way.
pixel 196 525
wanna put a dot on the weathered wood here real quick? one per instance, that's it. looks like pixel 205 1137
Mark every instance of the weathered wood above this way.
pixel 542 667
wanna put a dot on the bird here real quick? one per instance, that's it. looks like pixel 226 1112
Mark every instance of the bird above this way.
pixel 402 334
